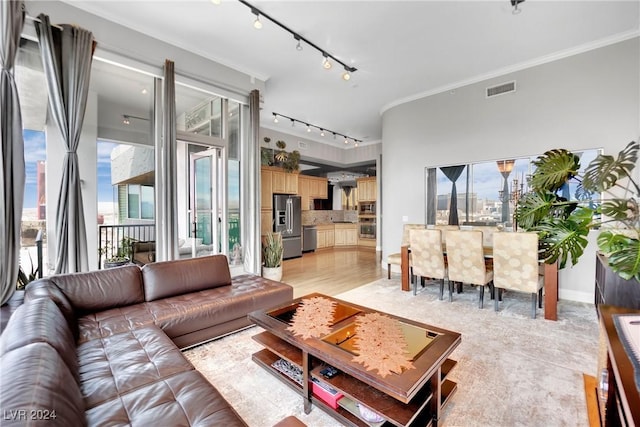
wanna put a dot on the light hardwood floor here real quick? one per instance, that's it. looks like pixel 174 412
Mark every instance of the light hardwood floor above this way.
pixel 332 271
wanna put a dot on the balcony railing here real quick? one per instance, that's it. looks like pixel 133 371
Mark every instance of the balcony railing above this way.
pixel 114 240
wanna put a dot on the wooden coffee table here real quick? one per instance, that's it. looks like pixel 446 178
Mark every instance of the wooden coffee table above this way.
pixel 411 396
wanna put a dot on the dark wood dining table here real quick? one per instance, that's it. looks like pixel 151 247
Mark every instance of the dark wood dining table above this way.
pixel 550 281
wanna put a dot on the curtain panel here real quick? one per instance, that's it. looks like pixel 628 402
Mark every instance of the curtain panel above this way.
pixel 453 173
pixel 251 196
pixel 66 57
pixel 12 175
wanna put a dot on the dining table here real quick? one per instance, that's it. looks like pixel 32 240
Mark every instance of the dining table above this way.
pixel 550 280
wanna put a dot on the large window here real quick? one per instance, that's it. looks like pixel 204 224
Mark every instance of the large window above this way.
pixel 486 192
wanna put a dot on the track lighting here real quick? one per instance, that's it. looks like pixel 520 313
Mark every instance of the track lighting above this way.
pixel 327 57
pixel 326 64
pixel 256 24
pixel 126 120
pixel 515 4
pixel 322 130
pixel 308 128
pixel 275 118
pixel 346 141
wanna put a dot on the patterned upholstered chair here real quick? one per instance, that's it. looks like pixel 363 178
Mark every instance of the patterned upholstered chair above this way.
pixel 445 229
pixel 427 258
pixel 396 258
pixel 515 266
pixel 465 260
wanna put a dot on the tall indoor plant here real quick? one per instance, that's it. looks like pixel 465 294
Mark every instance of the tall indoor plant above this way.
pixel 272 250
pixel 564 224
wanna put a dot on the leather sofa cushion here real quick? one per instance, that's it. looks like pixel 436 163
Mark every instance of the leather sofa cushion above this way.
pixel 170 278
pixel 45 288
pixel 194 311
pixel 184 399
pixel 114 321
pixel 102 289
pixel 35 378
pixel 117 364
pixel 41 320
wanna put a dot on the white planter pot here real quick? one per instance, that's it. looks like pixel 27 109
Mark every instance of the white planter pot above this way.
pixel 272 273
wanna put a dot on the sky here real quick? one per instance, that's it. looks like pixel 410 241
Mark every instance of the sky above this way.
pixel 35 149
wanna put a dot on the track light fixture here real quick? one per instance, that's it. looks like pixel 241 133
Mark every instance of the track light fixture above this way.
pixel 256 24
pixel 275 118
pixel 321 129
pixel 126 118
pixel 514 4
pixel 326 64
pixel 327 57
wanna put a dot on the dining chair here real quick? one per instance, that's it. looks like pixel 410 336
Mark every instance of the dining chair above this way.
pixel 396 259
pixel 427 257
pixel 445 229
pixel 515 265
pixel 465 261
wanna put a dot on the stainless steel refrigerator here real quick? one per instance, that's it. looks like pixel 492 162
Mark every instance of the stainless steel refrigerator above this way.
pixel 287 215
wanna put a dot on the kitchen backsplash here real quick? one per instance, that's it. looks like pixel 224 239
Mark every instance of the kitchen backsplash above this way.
pixel 327 217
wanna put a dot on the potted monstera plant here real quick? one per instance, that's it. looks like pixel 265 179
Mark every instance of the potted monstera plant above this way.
pixel 563 225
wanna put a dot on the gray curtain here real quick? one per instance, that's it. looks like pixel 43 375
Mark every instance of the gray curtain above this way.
pixel 12 175
pixel 251 197
pixel 453 173
pixel 166 173
pixel 66 58
pixel 432 196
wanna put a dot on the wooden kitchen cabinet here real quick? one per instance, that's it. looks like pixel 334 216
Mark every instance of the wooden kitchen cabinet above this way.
pixel 266 189
pixel 311 188
pixel 346 235
pixel 325 236
pixel 367 189
pixel 266 221
pixel 283 182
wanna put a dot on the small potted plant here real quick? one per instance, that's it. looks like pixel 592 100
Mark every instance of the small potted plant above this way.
pixel 122 255
pixel 272 256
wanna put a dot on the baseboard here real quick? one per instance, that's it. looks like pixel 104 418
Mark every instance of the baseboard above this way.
pixel 578 296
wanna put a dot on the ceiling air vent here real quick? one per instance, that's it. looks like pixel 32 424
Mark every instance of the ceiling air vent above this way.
pixel 302 145
pixel 501 89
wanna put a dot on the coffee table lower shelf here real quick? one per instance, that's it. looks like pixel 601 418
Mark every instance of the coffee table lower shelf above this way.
pixel 415 413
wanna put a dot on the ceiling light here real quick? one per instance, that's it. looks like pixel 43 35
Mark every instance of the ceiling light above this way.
pixel 275 118
pixel 298 46
pixel 125 119
pixel 321 132
pixel 346 141
pixel 216 2
pixel 326 64
pixel 515 4
pixel 346 75
pixel 256 24
pixel 144 91
pixel 355 144
pixel 293 123
pixel 308 128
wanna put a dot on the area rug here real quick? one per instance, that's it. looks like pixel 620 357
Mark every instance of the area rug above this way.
pixel 512 370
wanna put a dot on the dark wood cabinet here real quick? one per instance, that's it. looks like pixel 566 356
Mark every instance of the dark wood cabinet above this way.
pixel 612 289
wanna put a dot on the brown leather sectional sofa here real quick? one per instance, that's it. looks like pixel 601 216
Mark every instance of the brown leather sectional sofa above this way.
pixel 103 348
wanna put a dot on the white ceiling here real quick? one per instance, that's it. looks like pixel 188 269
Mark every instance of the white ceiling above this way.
pixel 402 49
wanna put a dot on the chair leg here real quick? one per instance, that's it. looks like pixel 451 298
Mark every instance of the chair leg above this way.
pixel 441 289
pixel 534 296
pixel 450 290
pixel 415 287
pixel 481 301
pixel 496 297
pixel 422 281
pixel 389 271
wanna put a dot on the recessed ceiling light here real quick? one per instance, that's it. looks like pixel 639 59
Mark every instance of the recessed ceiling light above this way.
pixel 144 91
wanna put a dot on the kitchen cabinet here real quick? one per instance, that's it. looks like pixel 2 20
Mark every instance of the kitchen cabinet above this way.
pixel 266 189
pixel 325 236
pixel 346 235
pixel 266 221
pixel 310 188
pixel 283 182
pixel 367 189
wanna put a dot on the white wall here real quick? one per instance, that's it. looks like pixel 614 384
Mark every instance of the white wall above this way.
pixel 585 101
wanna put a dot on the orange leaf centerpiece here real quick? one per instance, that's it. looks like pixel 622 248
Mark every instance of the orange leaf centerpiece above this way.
pixel 381 344
pixel 313 318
